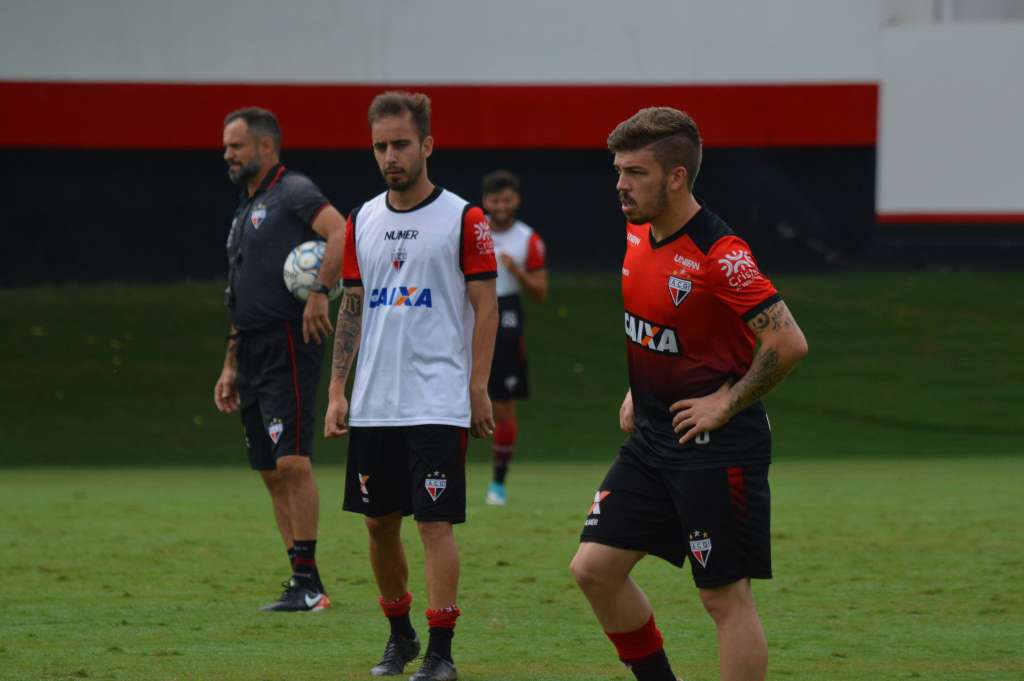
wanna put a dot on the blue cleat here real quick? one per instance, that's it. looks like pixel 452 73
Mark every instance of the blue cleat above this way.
pixel 496 494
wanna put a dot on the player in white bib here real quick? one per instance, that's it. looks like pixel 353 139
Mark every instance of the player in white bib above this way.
pixel 420 307
pixel 521 268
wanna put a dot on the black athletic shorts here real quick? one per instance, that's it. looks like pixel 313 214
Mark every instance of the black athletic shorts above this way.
pixel 417 470
pixel 508 379
pixel 278 376
pixel 720 517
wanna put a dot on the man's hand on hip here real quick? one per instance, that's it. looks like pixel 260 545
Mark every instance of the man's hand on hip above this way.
pixel 315 324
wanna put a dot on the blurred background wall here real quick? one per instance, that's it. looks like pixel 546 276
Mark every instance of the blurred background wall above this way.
pixel 839 133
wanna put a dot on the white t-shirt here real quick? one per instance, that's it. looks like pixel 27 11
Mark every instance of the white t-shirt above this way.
pixel 415 356
pixel 524 246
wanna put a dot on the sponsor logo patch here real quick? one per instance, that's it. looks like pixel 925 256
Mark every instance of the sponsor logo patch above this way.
pixel 400 296
pixel 484 241
pixel 400 234
pixel 739 268
pixel 688 263
pixel 651 336
pixel 595 508
pixel 632 239
pixel 259 214
pixel 679 289
pixel 700 547
pixel 435 485
pixel 275 430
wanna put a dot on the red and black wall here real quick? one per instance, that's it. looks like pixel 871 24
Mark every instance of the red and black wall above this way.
pixel 125 182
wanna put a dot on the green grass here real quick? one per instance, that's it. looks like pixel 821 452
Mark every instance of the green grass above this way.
pixel 885 569
pixel 922 364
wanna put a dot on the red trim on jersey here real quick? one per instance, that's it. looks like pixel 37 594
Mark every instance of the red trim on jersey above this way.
pixel 277 176
pixel 91 115
pixel 477 256
pixel 737 490
pixel 950 218
pixel 535 254
pixel 295 385
pixel 349 262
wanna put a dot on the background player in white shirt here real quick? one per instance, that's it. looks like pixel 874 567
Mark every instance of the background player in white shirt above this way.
pixel 521 267
pixel 419 273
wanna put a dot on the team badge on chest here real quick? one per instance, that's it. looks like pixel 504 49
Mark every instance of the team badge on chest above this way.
pixel 679 289
pixel 398 258
pixel 435 484
pixel 259 213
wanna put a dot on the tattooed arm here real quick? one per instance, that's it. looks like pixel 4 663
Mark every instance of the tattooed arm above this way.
pixel 782 345
pixel 346 343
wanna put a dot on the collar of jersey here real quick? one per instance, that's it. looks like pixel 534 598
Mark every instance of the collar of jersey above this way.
pixel 692 222
pixel 430 199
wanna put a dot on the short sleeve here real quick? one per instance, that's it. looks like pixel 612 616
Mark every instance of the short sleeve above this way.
pixel 736 280
pixel 536 254
pixel 349 263
pixel 305 199
pixel 477 254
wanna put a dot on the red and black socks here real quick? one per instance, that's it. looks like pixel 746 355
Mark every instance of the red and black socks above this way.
pixel 442 631
pixel 503 447
pixel 304 570
pixel 643 652
pixel 397 612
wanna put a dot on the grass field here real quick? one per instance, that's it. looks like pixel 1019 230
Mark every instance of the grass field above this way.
pixel 898 497
pixel 884 570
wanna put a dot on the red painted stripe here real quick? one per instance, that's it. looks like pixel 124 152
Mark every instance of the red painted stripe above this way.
pixel 188 116
pixel 295 386
pixel 950 218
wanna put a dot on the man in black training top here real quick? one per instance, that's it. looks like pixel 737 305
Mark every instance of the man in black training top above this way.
pixel 274 349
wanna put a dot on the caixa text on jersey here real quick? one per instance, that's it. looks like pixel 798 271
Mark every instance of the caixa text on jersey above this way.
pixel 400 296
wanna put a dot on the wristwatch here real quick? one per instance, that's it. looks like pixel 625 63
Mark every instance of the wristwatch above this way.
pixel 320 287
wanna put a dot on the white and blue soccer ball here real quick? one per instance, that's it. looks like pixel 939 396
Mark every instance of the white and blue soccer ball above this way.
pixel 301 267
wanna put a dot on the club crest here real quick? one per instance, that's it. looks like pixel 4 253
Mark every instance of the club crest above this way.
pixel 259 213
pixel 398 258
pixel 679 289
pixel 363 479
pixel 275 430
pixel 700 547
pixel 435 485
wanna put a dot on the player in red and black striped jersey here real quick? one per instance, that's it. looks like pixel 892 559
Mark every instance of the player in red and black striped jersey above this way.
pixel 692 479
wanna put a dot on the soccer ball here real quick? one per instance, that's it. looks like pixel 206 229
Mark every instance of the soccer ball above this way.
pixel 301 267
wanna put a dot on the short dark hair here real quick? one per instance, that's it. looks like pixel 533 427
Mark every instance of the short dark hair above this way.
pixel 498 180
pixel 261 122
pixel 396 102
pixel 670 133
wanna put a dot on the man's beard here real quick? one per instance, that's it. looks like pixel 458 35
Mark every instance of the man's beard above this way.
pixel 399 184
pixel 244 173
pixel 657 206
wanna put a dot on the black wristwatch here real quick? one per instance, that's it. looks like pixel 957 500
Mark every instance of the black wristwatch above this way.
pixel 320 287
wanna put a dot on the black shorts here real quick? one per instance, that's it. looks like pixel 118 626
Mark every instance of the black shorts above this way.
pixel 508 379
pixel 720 517
pixel 278 376
pixel 418 470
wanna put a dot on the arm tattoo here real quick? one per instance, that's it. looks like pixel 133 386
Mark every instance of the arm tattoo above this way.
pixel 766 372
pixel 774 317
pixel 347 335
